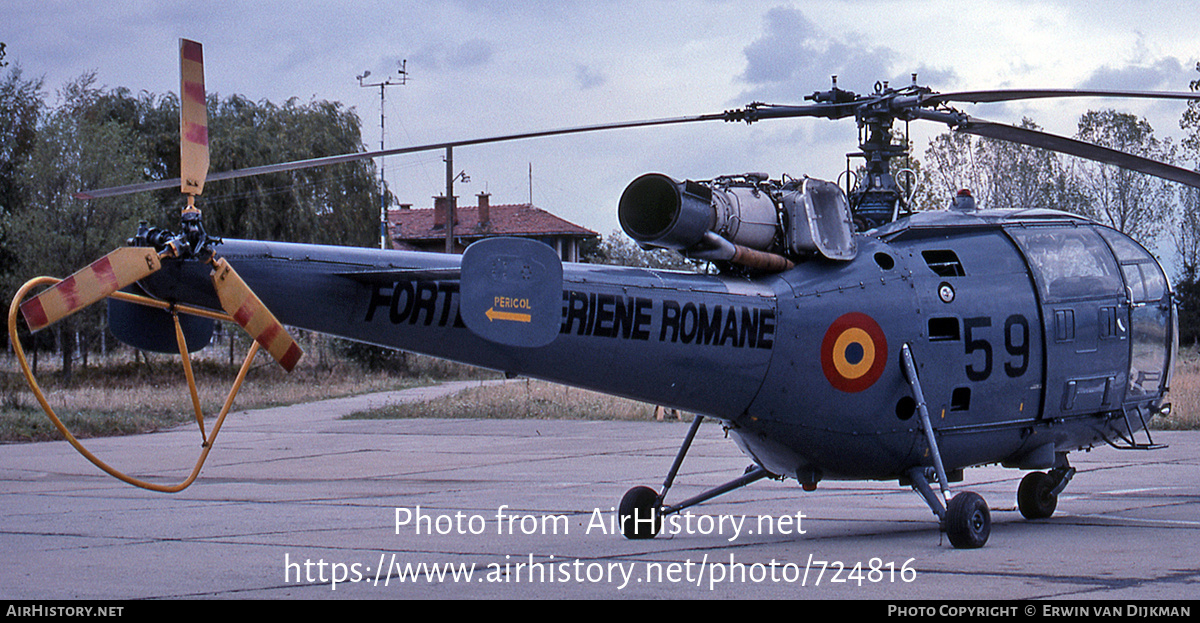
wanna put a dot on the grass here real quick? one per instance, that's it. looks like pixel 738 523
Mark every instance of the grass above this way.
pixel 522 399
pixel 541 400
pixel 1184 395
pixel 131 393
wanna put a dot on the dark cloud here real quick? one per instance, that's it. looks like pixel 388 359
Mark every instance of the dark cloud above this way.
pixel 795 56
pixel 935 78
pixel 588 78
pixel 779 55
pixel 466 55
pixel 1165 74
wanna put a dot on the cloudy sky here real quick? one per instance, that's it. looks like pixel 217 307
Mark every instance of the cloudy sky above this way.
pixel 486 68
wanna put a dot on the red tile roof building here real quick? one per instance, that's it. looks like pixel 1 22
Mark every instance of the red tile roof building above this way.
pixel 425 229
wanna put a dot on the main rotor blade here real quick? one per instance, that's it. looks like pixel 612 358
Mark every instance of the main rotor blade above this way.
pixel 318 162
pixel 835 110
pixel 1008 95
pixel 1081 149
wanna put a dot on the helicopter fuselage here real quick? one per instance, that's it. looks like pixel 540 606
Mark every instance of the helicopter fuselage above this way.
pixel 930 343
pixel 1033 333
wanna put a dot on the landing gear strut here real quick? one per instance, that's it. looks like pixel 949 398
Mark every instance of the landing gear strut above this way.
pixel 642 509
pixel 968 522
pixel 966 519
pixel 1037 496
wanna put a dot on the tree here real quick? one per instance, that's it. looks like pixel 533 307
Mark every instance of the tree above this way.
pixel 617 249
pixel 1191 122
pixel 1000 174
pixel 331 205
pixel 952 162
pixel 60 234
pixel 21 107
pixel 1131 202
pixel 154 122
pixel 1028 177
pixel 1187 233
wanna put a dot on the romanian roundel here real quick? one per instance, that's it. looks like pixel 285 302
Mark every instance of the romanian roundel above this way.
pixel 854 352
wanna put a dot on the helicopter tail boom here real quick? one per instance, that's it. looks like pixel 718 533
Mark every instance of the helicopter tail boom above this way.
pixel 694 342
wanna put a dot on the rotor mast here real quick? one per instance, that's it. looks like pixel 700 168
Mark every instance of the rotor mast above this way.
pixel 876 198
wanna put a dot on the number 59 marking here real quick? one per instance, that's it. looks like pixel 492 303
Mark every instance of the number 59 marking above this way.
pixel 1016 344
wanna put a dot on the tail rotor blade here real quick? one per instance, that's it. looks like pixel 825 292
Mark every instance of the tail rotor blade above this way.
pixel 248 311
pixel 193 118
pixel 97 281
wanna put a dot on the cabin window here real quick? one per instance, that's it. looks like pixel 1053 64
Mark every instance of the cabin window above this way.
pixel 1143 277
pixel 943 329
pixel 1069 263
pixel 960 399
pixel 943 262
pixel 1150 324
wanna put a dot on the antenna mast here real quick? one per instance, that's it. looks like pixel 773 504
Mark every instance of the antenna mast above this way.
pixel 400 78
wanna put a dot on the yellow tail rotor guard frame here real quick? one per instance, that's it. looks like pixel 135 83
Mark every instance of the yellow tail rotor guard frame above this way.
pixel 206 441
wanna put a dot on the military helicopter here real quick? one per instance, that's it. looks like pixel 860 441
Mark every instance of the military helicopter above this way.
pixel 843 337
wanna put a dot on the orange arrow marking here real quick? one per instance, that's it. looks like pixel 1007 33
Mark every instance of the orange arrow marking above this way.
pixel 492 315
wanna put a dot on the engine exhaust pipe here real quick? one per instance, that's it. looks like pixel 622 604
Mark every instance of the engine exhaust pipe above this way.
pixel 658 211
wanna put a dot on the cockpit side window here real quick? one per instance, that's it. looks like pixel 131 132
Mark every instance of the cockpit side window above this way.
pixel 1070 263
pixel 1151 323
pixel 1143 276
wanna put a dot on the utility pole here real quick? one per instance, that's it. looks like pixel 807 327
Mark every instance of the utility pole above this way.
pixel 400 78
pixel 450 207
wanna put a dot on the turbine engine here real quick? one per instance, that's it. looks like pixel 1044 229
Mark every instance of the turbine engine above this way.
pixel 744 219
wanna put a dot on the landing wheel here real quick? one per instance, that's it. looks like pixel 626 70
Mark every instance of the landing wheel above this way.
pixel 968 521
pixel 639 513
pixel 1035 496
